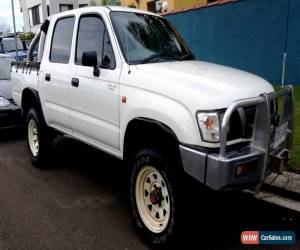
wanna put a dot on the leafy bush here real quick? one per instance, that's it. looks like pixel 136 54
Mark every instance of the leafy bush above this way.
pixel 27 36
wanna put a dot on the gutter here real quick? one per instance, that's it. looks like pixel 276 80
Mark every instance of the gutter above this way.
pixel 281 190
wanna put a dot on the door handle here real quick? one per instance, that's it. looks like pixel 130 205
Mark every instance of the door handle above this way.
pixel 48 77
pixel 75 82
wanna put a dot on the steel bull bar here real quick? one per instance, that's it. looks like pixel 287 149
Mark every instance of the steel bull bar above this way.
pixel 247 165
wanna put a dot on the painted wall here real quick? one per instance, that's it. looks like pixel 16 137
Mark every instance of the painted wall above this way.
pixel 173 4
pixel 179 4
pixel 252 35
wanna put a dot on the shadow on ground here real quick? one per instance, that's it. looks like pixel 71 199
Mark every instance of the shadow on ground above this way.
pixel 211 220
pixel 10 135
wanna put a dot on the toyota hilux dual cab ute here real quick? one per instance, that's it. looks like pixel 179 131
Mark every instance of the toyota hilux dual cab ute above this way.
pixel 124 81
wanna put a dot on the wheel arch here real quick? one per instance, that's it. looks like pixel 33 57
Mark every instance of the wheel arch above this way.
pixel 30 98
pixel 141 130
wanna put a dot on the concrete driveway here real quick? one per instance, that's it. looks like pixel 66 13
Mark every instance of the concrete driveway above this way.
pixel 81 202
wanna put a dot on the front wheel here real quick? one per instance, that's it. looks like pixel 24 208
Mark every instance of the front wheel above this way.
pixel 152 197
pixel 38 139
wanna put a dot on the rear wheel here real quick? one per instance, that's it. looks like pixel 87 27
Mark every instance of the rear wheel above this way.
pixel 33 138
pixel 38 138
pixel 152 197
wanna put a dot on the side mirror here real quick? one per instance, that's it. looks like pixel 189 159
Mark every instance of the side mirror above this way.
pixel 89 58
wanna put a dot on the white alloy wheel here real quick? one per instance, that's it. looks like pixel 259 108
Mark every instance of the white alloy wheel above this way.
pixel 33 138
pixel 152 198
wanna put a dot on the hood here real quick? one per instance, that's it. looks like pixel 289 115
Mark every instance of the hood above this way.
pixel 203 85
pixel 5 89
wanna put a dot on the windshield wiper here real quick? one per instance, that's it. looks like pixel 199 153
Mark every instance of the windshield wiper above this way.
pixel 157 56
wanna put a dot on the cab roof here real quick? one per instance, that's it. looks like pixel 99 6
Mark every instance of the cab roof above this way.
pixel 106 9
pixel 126 9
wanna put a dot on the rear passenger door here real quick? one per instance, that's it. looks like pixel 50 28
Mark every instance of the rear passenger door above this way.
pixel 94 100
pixel 55 75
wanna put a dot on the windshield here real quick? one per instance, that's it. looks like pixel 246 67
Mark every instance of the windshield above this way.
pixel 146 38
pixel 9 45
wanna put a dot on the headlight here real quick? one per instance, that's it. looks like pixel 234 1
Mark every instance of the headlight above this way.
pixel 4 102
pixel 209 124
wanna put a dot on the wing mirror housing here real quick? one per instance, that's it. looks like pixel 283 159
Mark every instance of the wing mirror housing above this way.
pixel 90 58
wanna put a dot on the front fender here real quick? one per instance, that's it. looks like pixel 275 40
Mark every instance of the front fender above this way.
pixel 145 104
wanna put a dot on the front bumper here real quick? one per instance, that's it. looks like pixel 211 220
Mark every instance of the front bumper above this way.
pixel 10 117
pixel 220 173
pixel 221 170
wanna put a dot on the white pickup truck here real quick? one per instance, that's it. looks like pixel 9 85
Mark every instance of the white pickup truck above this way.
pixel 124 81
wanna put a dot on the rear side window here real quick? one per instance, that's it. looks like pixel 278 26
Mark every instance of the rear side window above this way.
pixel 62 40
pixel 92 36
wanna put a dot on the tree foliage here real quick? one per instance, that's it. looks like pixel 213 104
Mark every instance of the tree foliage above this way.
pixel 111 2
pixel 27 36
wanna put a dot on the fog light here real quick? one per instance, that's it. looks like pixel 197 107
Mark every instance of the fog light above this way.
pixel 241 169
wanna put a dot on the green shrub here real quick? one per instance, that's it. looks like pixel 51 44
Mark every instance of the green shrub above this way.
pixel 26 36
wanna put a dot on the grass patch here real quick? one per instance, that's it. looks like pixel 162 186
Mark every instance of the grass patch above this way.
pixel 295 163
pixel 296 147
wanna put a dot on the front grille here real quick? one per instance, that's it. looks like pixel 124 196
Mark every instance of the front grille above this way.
pixel 242 121
pixel 235 129
pixel 250 115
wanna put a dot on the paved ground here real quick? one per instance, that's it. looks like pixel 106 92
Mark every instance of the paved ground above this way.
pixel 81 203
